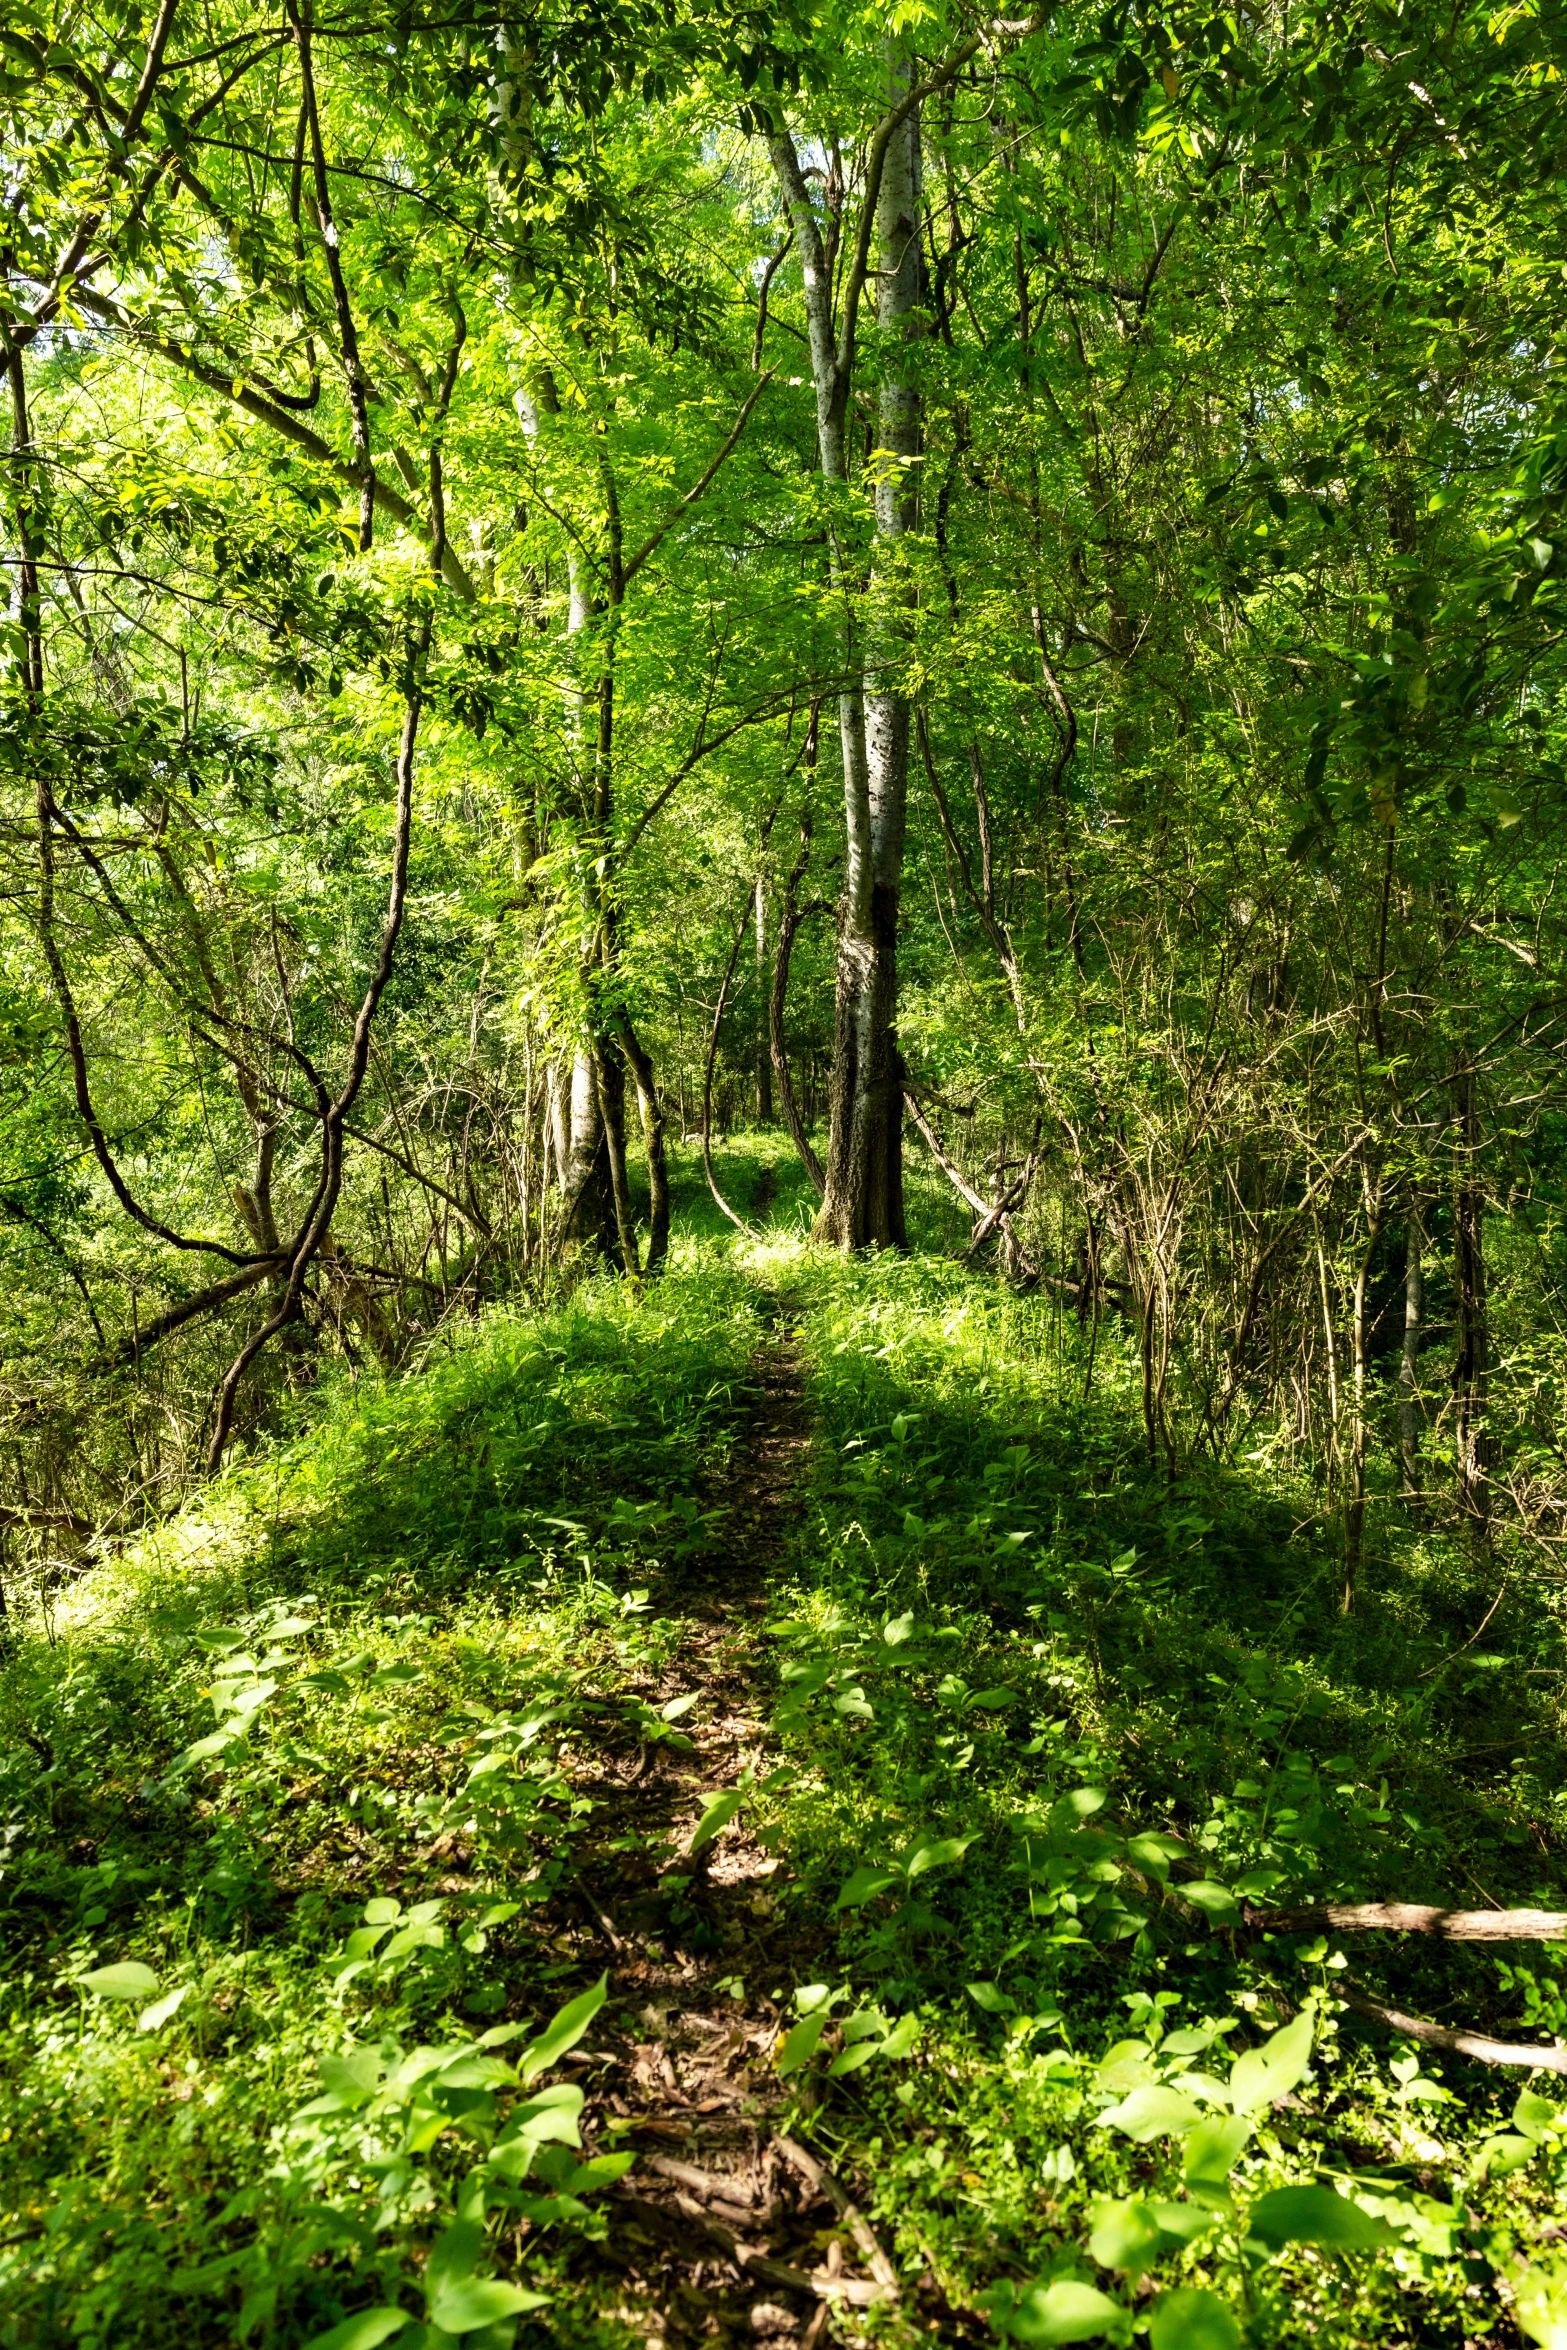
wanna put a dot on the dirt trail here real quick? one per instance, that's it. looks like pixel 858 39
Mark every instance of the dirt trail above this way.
pixel 725 2229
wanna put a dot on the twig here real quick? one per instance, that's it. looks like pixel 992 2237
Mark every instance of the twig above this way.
pixel 816 2174
pixel 707 2184
pixel 1415 2027
pixel 1473 1637
pixel 613 1939
pixel 750 2257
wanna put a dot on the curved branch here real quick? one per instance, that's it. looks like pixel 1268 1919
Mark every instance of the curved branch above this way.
pixel 698 489
pixel 390 501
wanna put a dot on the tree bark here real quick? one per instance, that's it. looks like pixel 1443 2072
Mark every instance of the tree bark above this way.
pixel 1414 1917
pixel 764 1065
pixel 791 915
pixel 1471 1363
pixel 1409 1358
pixel 588 1199
pixel 611 1084
pixel 652 1114
pixel 863 1201
pixel 1355 1482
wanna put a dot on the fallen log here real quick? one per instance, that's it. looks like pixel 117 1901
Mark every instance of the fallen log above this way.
pixel 1410 1917
pixel 1416 2027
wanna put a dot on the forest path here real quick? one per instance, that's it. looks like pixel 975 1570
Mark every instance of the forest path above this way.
pixel 726 2229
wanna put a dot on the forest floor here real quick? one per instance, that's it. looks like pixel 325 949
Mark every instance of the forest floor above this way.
pixel 730 1813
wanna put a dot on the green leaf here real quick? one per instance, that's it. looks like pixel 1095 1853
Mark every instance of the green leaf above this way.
pixel 1217 1903
pixel 1080 1804
pixel 1315 2215
pixel 851 2059
pixel 1151 2113
pixel 564 2032
pixel 1533 2114
pixel 801 2042
pixel 939 1854
pixel 129 1980
pixel 454 2256
pixel 865 1883
pixel 1257 1883
pixel 362 2332
pixel 1126 2235
pixel 1214 2148
pixel 1154 1853
pixel 549 2119
pixel 602 2171
pixel 1063 2312
pixel 465 2305
pixel 1190 2319
pixel 1262 2075
pixel 1540 2306
pixel 153 2018
pixel 993 2002
pixel 354 2076
pixel 900 2040
pixel 718 1815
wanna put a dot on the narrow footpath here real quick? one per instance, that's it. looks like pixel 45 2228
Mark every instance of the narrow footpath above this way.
pixel 727 2228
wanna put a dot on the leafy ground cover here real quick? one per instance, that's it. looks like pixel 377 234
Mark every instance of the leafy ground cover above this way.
pixel 465 1880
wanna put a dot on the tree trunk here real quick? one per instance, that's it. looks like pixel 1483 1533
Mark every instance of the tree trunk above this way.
pixel 611 1082
pixel 1409 1359
pixel 764 1063
pixel 1355 1483
pixel 863 1203
pixel 790 917
pixel 652 1112
pixel 589 1206
pixel 1471 1364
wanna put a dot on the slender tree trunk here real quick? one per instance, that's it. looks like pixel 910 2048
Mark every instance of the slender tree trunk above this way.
pixel 790 917
pixel 764 1064
pixel 863 1203
pixel 582 1150
pixel 1409 1358
pixel 1355 1479
pixel 611 1087
pixel 586 1185
pixel 1331 1338
pixel 652 1114
pixel 557 1115
pixel 1471 1364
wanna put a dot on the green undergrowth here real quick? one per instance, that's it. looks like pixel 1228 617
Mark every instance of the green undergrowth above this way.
pixel 1059 1724
pixel 300 1798
pixel 286 1793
